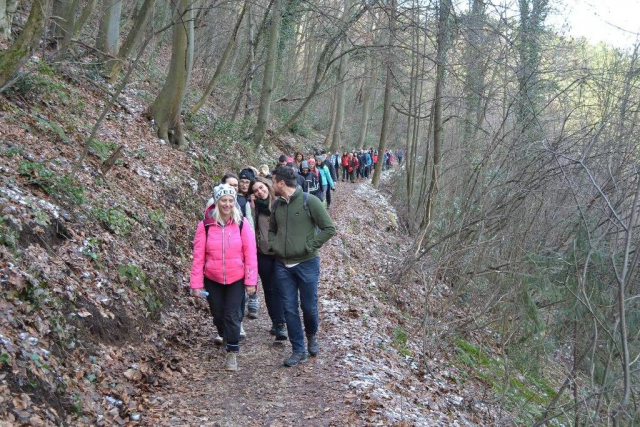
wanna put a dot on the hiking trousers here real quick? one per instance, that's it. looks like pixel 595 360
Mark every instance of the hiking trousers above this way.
pixel 345 173
pixel 272 294
pixel 328 196
pixel 225 303
pixel 300 280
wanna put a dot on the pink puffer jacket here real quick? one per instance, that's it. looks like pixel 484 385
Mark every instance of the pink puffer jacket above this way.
pixel 229 255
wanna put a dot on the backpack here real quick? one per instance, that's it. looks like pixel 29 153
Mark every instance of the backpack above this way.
pixel 312 183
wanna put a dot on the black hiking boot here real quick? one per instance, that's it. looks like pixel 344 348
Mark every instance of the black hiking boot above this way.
pixel 312 345
pixel 294 359
pixel 272 331
pixel 281 332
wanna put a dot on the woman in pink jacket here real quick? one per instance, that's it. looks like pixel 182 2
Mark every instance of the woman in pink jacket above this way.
pixel 225 265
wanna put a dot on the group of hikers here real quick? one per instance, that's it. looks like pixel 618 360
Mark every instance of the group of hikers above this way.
pixel 271 224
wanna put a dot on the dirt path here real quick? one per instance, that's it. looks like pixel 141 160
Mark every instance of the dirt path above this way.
pixel 263 392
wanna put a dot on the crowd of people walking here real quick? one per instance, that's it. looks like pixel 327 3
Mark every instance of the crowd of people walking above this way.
pixel 270 224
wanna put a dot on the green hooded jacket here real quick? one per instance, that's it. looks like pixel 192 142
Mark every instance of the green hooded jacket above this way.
pixel 292 230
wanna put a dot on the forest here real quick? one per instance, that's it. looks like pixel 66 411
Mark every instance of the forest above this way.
pixel 516 232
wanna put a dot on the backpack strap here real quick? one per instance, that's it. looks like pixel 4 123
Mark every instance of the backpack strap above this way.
pixel 305 203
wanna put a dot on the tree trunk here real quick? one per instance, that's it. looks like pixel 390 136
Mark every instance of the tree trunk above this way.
pixel 21 50
pixel 225 56
pixel 336 141
pixel 441 55
pixel 269 74
pixel 366 99
pixel 332 122
pixel 109 31
pixel 475 72
pixel 386 110
pixel 413 83
pixel 59 11
pixel 252 66
pixel 167 107
pixel 532 15
pixel 5 22
pixel 84 17
pixel 133 38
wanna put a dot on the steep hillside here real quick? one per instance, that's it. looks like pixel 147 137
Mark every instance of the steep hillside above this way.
pixel 90 262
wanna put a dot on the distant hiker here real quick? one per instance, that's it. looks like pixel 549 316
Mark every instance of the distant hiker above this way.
pixel 282 160
pixel 295 217
pixel 297 159
pixel 361 164
pixel 264 171
pixel 327 165
pixel 225 264
pixel 263 199
pixel 368 163
pixel 399 155
pixel 353 166
pixel 311 180
pixel 319 192
pixel 327 180
pixel 336 160
pixel 345 166
pixel 247 178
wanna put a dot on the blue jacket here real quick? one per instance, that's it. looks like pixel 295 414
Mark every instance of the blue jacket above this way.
pixel 326 177
pixel 367 159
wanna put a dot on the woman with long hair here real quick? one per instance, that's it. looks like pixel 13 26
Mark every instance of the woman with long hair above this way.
pixel 263 198
pixel 297 160
pixel 224 266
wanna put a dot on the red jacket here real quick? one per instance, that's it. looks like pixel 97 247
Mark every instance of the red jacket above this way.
pixel 345 161
pixel 229 256
pixel 353 165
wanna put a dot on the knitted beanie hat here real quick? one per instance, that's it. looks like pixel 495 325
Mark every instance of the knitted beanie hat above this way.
pixel 247 174
pixel 223 190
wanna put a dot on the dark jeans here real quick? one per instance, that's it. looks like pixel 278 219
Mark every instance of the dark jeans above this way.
pixel 225 303
pixel 328 196
pixel 272 294
pixel 345 173
pixel 301 279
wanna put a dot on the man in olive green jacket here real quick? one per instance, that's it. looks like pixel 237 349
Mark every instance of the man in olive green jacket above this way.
pixel 295 220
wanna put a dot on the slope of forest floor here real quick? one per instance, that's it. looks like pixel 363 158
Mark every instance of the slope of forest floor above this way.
pixel 96 327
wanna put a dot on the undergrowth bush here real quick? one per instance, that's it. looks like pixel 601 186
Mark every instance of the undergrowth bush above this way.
pixel 57 185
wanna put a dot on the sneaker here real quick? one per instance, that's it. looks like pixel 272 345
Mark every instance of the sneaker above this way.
pixel 252 313
pixel 312 345
pixel 272 331
pixel 281 332
pixel 295 358
pixel 231 362
pixel 243 334
pixel 218 340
